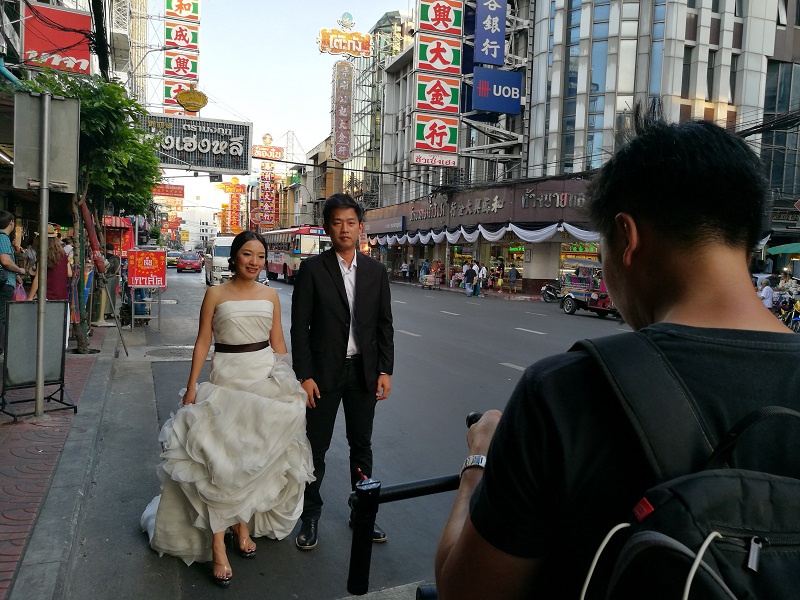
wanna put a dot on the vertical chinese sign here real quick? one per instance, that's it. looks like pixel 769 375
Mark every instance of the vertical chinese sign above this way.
pixel 181 37
pixel 490 32
pixel 438 60
pixel 232 217
pixel 269 204
pixel 342 109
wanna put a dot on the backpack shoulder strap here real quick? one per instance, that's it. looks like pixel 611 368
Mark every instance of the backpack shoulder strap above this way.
pixel 655 399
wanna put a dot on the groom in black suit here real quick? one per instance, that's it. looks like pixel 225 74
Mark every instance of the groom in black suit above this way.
pixel 343 349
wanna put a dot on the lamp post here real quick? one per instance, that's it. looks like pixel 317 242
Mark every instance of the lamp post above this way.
pixel 132 73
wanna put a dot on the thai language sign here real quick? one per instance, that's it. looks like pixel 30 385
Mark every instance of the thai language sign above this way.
pixel 350 43
pixel 497 91
pixel 267 152
pixel 55 37
pixel 167 189
pixel 209 145
pixel 342 109
pixel 490 32
pixel 441 16
pixel 438 54
pixel 437 93
pixel 434 160
pixel 435 132
pixel 147 268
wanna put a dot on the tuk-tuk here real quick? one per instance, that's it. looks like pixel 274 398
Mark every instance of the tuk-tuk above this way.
pixel 583 288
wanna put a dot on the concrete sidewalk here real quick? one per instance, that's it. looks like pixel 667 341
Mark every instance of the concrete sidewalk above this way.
pixel 31 488
pixel 485 293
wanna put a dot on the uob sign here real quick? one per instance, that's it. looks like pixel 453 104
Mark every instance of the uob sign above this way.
pixel 497 91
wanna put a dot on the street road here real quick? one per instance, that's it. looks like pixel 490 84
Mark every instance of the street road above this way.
pixel 453 355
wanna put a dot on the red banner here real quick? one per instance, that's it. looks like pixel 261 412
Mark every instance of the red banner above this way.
pixel 147 268
pixel 166 189
pixel 56 37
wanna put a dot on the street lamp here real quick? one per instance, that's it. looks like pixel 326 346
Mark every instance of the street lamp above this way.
pixel 132 72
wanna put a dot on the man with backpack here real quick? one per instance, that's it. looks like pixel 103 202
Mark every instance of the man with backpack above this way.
pixel 588 434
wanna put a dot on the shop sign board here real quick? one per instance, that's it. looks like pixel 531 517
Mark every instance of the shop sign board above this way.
pixel 180 64
pixel 439 54
pixel 432 159
pixel 173 87
pixel 437 93
pixel 181 35
pixel 209 145
pixel 184 235
pixel 186 10
pixel 342 110
pixel 267 152
pixel 392 225
pixel 167 189
pixel 497 91
pixel 55 37
pixel 147 268
pixel 438 133
pixel 349 43
pixel 490 32
pixel 441 16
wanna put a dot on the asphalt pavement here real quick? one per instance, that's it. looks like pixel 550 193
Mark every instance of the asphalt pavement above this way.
pixel 453 355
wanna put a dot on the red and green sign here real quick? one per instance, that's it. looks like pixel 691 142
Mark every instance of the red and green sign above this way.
pixel 180 64
pixel 438 54
pixel 188 10
pixel 435 132
pixel 180 35
pixel 441 16
pixel 437 93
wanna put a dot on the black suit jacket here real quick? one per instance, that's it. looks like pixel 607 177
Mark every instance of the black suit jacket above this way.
pixel 321 320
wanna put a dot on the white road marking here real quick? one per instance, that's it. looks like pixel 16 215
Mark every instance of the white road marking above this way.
pixel 399 302
pixel 409 333
pixel 512 366
pixel 450 313
pixel 426 295
pixel 475 303
pixel 530 331
pixel 537 314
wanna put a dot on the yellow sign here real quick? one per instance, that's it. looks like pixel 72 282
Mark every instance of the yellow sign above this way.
pixel 192 100
pixel 351 43
pixel 184 236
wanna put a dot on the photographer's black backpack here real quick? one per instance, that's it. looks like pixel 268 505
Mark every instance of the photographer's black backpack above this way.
pixel 706 531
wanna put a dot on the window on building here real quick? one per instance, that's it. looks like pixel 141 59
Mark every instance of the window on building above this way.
pixel 796 14
pixel 594 150
pixel 715 6
pixel 738 8
pixel 732 79
pixel 782 12
pixel 712 58
pixel 691 3
pixel 627 66
pixel 687 71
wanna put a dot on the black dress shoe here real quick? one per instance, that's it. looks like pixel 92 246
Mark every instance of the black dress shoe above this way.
pixel 378 534
pixel 307 538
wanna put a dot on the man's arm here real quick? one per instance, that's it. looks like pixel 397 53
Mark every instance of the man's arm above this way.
pixel 467 566
pixel 302 310
pixel 385 333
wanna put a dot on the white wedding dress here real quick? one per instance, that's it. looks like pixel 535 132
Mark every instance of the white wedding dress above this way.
pixel 240 453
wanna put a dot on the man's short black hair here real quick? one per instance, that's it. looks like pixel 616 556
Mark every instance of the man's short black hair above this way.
pixel 692 182
pixel 109 246
pixel 340 201
pixel 5 218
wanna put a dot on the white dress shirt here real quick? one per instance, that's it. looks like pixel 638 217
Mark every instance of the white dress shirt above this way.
pixel 349 276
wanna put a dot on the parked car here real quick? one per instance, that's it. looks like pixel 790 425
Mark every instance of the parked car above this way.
pixel 189 261
pixel 172 258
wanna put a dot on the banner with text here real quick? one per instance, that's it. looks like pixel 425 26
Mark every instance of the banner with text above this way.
pixel 490 32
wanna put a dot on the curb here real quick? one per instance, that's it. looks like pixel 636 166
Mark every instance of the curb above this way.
pixel 52 543
pixel 492 294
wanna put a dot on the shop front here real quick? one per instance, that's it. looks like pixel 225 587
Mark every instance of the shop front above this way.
pixel 532 226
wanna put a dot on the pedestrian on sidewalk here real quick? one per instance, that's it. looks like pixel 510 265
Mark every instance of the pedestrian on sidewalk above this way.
pixel 58 270
pixel 350 365
pixel 513 277
pixel 236 454
pixel 9 273
pixel 412 271
pixel 404 271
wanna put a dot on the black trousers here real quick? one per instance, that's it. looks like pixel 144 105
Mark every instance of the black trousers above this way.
pixel 359 413
pixel 6 295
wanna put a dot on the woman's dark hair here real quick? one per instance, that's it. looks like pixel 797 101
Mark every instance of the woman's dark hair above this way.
pixel 693 182
pixel 340 201
pixel 240 240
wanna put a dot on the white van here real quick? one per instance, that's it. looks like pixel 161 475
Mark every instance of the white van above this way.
pixel 218 250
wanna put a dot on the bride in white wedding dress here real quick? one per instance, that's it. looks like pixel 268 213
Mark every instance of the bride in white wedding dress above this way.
pixel 236 454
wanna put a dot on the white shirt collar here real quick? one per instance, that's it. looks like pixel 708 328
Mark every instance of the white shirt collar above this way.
pixel 343 262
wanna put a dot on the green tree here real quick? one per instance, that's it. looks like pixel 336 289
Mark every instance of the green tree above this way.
pixel 117 160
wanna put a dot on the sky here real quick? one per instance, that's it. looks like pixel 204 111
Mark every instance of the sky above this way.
pixel 259 62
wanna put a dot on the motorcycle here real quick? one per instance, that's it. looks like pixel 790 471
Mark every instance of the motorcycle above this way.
pixel 551 292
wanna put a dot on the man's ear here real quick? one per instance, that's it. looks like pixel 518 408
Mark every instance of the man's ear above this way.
pixel 628 233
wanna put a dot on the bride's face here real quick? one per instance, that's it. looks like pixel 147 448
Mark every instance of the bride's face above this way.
pixel 250 259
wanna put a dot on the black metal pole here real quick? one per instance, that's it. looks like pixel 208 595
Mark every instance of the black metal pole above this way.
pixel 365 506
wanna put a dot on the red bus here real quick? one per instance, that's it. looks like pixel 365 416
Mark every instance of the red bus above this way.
pixel 286 248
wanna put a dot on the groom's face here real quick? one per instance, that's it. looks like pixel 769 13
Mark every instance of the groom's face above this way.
pixel 344 229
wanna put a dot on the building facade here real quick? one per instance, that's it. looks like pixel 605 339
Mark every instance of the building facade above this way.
pixel 585 64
